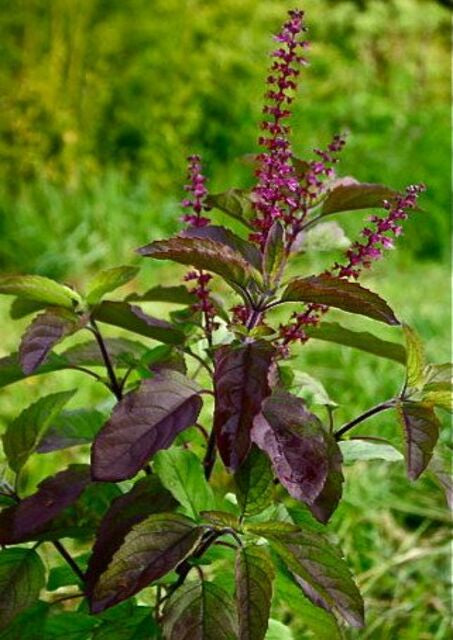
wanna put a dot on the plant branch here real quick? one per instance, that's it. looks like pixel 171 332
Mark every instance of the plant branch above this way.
pixel 383 406
pixel 114 384
pixel 210 455
pixel 200 360
pixel 71 562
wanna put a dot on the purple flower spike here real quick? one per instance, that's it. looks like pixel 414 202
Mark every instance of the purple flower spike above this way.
pixel 198 191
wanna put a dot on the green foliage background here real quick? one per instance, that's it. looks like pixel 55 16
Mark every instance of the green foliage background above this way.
pixel 101 102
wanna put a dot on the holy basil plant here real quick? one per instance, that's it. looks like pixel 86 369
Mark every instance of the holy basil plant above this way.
pixel 211 476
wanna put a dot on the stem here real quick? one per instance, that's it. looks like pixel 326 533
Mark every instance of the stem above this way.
pixel 210 455
pixel 200 360
pixel 87 371
pixel 388 404
pixel 114 384
pixel 71 562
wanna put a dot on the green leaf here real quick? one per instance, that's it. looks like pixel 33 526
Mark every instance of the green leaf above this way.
pixel 221 519
pixel 70 429
pixel 23 434
pixel 29 624
pixel 150 550
pixel 40 289
pixel 254 577
pixel 204 253
pixel 347 194
pixel 181 472
pixel 438 390
pixel 304 386
pixel 321 573
pixel 22 576
pixel 363 340
pixel 236 203
pixel 254 483
pixel 22 307
pixel 421 428
pixel 202 609
pixel 278 631
pixel 415 364
pixel 178 294
pixel 64 576
pixel 137 626
pixel 109 280
pixel 274 254
pixel 71 625
pixel 358 449
pixel 339 293
pixel 132 318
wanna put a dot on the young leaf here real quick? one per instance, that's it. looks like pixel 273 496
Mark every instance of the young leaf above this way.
pixel 241 385
pixel 234 202
pixel 254 576
pixel 40 289
pixel 108 280
pixel 278 631
pixel 22 576
pixel 71 428
pixel 71 625
pixel 29 624
pixel 339 293
pixel 178 294
pixel 224 236
pixel 204 253
pixel 363 340
pixel 359 449
pixel 303 385
pixel 46 330
pixel 321 573
pixel 181 472
pixel 201 609
pixel 415 363
pixel 421 427
pixel 146 497
pixel 150 550
pixel 438 390
pixel 304 456
pixel 23 434
pixel 142 423
pixel 137 626
pixel 29 518
pixel 349 195
pixel 274 253
pixel 132 318
pixel 64 576
pixel 254 483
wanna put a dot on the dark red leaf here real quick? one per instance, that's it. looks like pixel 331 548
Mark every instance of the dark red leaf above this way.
pixel 304 455
pixel 151 549
pixel 132 318
pixel 348 195
pixel 339 293
pixel 147 496
pixel 224 236
pixel 28 518
pixel 241 385
pixel 143 422
pixel 421 426
pixel 45 331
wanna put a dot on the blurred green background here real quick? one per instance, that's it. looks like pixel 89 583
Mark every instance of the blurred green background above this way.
pixel 102 100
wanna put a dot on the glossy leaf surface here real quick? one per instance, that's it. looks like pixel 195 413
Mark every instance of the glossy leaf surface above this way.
pixel 339 293
pixel 142 423
pixel 349 195
pixel 40 289
pixel 108 280
pixel 241 385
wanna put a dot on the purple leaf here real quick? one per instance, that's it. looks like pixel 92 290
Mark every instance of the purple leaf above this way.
pixel 204 253
pixel 304 456
pixel 28 518
pixel 421 427
pixel 348 195
pixel 320 571
pixel 147 496
pixel 143 422
pixel 45 331
pixel 151 549
pixel 254 576
pixel 179 294
pixel 241 385
pixel 339 293
pixel 224 236
pixel 132 318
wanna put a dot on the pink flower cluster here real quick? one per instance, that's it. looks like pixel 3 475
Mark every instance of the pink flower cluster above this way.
pixel 277 187
pixel 359 256
pixel 198 191
pixel 379 238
